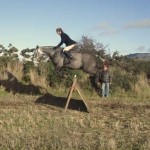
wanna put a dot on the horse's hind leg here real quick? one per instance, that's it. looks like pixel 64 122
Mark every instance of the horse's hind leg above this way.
pixel 90 69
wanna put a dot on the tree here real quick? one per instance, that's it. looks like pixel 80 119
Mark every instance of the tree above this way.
pixel 11 52
pixel 89 45
pixel 27 53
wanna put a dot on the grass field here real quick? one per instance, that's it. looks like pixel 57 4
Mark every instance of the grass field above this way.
pixel 39 122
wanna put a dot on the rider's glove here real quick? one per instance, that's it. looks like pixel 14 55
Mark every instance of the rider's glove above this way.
pixel 55 47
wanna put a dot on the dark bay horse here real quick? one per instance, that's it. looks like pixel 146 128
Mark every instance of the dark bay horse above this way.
pixel 84 61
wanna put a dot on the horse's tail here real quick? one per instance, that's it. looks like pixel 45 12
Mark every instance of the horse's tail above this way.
pixel 103 60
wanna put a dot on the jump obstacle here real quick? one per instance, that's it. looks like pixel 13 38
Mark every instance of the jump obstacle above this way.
pixel 76 87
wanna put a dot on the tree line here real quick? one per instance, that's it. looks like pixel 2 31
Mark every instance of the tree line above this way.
pixel 125 71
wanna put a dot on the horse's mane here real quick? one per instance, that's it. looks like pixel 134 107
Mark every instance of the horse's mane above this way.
pixel 46 46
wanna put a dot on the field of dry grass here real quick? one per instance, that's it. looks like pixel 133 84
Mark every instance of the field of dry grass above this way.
pixel 39 122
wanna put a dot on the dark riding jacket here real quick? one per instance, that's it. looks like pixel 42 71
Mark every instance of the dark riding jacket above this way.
pixel 103 77
pixel 65 39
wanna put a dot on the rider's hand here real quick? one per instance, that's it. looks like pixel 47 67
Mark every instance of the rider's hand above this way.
pixel 98 83
pixel 55 47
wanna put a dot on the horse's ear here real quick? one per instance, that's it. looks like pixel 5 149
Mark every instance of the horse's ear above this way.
pixel 37 47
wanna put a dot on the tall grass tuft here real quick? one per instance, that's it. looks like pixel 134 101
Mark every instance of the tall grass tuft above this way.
pixel 16 69
pixel 36 79
pixel 142 88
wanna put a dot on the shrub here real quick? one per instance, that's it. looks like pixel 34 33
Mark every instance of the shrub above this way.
pixel 123 80
pixel 27 66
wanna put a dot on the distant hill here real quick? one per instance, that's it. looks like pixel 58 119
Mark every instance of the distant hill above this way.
pixel 141 56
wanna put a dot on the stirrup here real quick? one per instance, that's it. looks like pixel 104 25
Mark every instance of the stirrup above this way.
pixel 67 61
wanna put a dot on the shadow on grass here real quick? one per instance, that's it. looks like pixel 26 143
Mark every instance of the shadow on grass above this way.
pixel 13 85
pixel 50 99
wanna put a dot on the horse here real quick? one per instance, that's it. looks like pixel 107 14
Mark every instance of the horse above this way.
pixel 84 61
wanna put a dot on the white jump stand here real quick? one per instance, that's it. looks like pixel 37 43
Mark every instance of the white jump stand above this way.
pixel 74 87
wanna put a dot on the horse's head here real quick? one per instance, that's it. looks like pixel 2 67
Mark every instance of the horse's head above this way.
pixel 41 51
pixel 38 53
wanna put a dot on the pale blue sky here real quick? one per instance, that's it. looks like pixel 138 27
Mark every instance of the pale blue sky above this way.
pixel 124 25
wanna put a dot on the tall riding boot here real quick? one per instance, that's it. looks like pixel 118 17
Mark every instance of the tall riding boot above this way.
pixel 67 54
pixel 68 57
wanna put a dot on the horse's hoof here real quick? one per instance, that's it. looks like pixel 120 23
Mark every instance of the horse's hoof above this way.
pixel 66 62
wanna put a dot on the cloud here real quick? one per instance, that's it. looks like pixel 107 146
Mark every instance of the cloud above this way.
pixel 148 50
pixel 101 26
pixel 143 49
pixel 140 49
pixel 105 29
pixel 109 32
pixel 138 24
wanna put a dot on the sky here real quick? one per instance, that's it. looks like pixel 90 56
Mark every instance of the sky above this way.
pixel 123 25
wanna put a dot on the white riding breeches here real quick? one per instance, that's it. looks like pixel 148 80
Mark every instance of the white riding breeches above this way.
pixel 67 48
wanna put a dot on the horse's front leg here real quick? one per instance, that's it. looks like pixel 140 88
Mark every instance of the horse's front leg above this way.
pixel 58 67
pixel 58 71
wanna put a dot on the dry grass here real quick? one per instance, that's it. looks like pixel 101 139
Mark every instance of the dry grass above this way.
pixel 142 88
pixel 39 122
pixel 16 69
pixel 111 124
pixel 37 80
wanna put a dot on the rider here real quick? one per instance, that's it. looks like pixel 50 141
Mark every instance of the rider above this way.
pixel 65 39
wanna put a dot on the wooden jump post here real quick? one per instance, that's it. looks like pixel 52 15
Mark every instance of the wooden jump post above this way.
pixel 74 87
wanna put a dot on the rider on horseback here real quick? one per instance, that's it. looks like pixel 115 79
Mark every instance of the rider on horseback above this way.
pixel 65 39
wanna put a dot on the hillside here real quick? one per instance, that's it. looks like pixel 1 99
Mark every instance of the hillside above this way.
pixel 142 56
